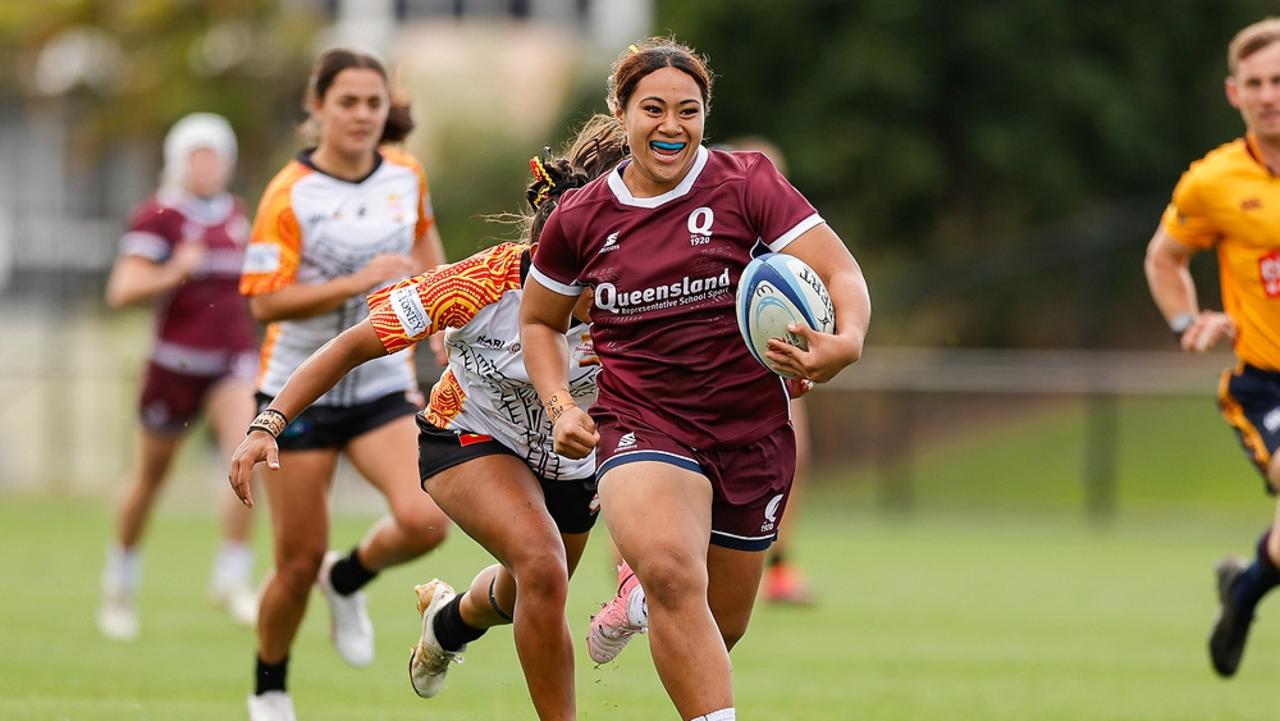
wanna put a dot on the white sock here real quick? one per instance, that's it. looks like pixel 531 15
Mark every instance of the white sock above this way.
pixel 724 714
pixel 637 608
pixel 123 571
pixel 233 564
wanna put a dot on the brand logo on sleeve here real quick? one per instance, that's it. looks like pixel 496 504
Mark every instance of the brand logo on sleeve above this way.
pixel 408 308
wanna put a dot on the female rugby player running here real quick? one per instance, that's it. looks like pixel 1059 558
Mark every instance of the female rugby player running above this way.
pixel 695 453
pixel 345 217
pixel 485 442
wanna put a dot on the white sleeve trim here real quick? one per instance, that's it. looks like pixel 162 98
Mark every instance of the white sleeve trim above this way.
pixel 145 245
pixel 785 239
pixel 552 284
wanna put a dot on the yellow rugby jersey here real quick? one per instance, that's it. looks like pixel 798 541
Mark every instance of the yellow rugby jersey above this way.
pixel 1230 201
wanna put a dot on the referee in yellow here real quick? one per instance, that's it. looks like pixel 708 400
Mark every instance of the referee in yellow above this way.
pixel 1229 201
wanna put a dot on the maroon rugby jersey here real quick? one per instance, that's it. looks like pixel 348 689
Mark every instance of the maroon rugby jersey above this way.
pixel 665 271
pixel 203 323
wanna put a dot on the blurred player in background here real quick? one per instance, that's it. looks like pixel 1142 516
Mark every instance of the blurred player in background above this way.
pixel 695 452
pixel 485 445
pixel 347 216
pixel 183 253
pixel 1229 201
pixel 783 581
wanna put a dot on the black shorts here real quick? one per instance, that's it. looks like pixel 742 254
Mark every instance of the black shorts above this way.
pixel 573 504
pixel 335 426
pixel 1249 399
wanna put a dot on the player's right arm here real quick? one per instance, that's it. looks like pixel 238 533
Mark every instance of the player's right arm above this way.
pixel 1185 229
pixel 1168 272
pixel 150 263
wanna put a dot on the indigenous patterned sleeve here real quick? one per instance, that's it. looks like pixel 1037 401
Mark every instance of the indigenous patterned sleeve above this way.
pixel 153 231
pixel 778 211
pixel 445 297
pixel 555 263
pixel 1186 218
pixel 275 244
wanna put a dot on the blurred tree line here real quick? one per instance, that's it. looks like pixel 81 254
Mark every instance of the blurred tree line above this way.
pixel 130 69
pixel 997 167
pixel 971 139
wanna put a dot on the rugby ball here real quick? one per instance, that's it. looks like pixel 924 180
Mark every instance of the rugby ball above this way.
pixel 775 291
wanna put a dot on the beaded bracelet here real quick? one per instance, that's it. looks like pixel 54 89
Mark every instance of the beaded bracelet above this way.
pixel 271 421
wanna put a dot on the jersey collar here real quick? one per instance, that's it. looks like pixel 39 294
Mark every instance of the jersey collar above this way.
pixel 1251 147
pixel 682 189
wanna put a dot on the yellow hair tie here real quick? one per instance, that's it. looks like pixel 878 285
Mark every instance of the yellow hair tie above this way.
pixel 634 50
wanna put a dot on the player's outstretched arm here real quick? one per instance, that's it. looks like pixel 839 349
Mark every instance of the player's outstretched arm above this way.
pixel 316 376
pixel 828 354
pixel 544 318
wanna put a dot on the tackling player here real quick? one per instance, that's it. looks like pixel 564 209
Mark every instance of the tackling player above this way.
pixel 485 443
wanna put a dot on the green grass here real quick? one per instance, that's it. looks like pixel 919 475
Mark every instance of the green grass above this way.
pixel 938 616
pixel 995 600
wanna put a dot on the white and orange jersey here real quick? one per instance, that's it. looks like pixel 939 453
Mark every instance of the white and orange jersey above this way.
pixel 311 228
pixel 486 388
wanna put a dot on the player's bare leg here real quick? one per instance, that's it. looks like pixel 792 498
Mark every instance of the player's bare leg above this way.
pixel 298 497
pixel 497 501
pixel 230 406
pixel 670 559
pixel 117 615
pixel 733 577
pixel 388 457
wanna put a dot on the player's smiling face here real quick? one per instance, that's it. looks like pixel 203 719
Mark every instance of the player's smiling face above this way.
pixel 1254 90
pixel 353 112
pixel 664 118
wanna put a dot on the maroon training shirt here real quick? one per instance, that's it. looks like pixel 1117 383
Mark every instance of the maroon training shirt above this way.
pixel 665 271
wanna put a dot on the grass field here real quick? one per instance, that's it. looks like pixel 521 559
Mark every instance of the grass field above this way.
pixel 976 617
pixel 995 600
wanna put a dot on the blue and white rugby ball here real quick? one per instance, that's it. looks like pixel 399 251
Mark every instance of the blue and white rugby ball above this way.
pixel 777 290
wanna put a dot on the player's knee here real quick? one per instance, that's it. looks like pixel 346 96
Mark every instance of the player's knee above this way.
pixel 542 573
pixel 297 572
pixel 732 632
pixel 423 525
pixel 672 577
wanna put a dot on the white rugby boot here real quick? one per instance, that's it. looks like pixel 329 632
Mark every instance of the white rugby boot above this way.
pixel 271 706
pixel 117 612
pixel 428 661
pixel 350 627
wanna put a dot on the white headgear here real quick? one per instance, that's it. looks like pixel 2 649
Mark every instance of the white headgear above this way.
pixel 197 130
